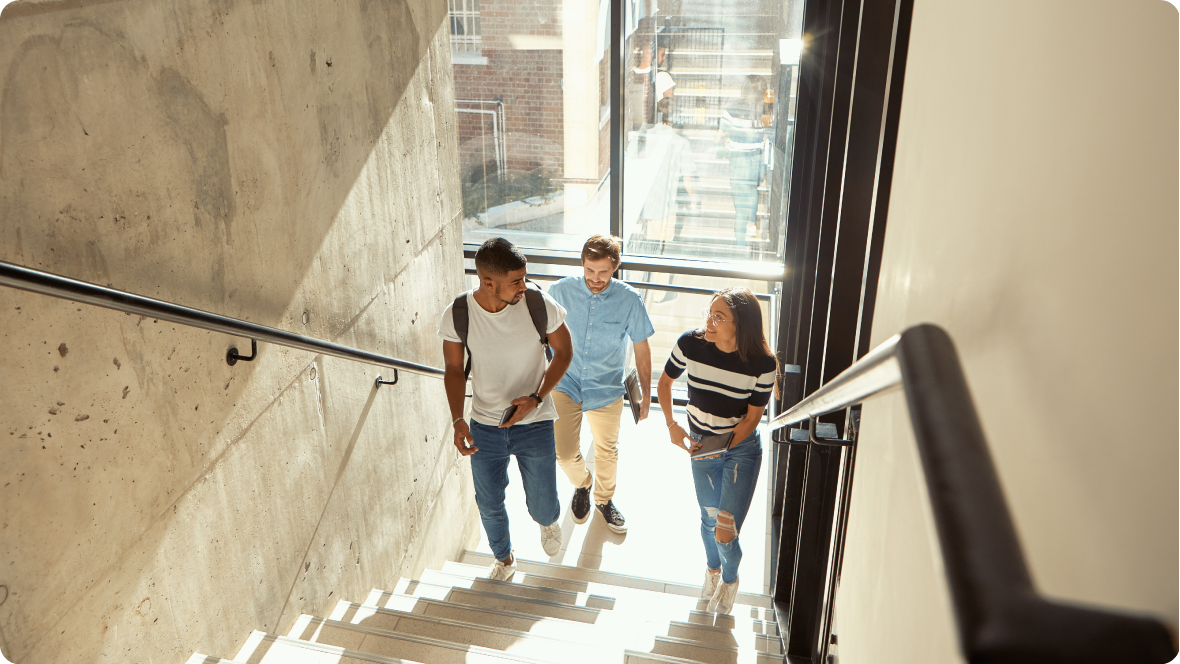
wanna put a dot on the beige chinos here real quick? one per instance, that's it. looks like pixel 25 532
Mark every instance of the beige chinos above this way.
pixel 604 427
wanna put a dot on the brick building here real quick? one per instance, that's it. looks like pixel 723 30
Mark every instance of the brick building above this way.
pixel 530 94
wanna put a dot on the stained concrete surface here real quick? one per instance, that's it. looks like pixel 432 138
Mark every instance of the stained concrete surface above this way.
pixel 261 160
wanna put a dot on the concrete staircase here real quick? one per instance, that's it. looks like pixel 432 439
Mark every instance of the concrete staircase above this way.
pixel 545 614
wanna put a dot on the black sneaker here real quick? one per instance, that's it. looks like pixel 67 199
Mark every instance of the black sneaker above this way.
pixel 580 505
pixel 614 520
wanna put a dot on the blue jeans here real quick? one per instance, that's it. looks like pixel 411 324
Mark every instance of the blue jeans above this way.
pixel 536 457
pixel 745 172
pixel 726 484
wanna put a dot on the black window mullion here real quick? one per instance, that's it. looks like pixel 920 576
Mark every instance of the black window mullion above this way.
pixel 617 125
pixel 829 205
pixel 857 186
pixel 898 53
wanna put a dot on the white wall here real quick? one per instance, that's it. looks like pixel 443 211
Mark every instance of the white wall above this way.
pixel 259 160
pixel 1034 217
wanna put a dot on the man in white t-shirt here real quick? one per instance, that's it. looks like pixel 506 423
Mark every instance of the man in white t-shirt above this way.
pixel 508 370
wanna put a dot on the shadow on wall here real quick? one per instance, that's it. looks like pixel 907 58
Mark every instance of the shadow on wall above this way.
pixel 108 157
pixel 252 159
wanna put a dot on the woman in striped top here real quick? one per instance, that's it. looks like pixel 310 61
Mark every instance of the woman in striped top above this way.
pixel 731 375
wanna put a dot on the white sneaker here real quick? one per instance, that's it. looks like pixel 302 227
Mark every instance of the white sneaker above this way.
pixel 501 572
pixel 551 538
pixel 723 598
pixel 712 579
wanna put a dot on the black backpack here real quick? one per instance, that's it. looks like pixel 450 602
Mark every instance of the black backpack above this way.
pixel 536 305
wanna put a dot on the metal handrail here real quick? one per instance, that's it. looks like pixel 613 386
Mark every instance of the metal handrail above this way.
pixel 46 283
pixel 999 615
pixel 873 374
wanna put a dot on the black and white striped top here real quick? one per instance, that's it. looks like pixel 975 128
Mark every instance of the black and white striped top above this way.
pixel 720 385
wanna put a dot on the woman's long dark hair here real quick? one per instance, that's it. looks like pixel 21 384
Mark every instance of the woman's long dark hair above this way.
pixel 747 318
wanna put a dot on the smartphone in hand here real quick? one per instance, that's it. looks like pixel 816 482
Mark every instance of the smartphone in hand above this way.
pixel 508 413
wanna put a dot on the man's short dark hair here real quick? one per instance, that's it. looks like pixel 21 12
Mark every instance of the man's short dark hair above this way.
pixel 498 256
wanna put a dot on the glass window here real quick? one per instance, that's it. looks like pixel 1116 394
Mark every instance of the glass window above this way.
pixel 533 118
pixel 709 91
pixel 710 102
pixel 465 30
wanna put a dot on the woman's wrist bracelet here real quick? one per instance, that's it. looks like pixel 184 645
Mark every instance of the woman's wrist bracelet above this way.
pixel 671 424
pixel 456 420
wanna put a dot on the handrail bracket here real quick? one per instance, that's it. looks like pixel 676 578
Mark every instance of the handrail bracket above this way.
pixel 831 442
pixel 232 356
pixel 379 382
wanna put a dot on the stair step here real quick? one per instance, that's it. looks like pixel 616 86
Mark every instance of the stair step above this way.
pixel 263 648
pixel 475 560
pixel 551 593
pixel 449 642
pixel 418 636
pixel 537 580
pixel 752 629
pixel 465 612
pixel 559 627
pixel 689 72
pixel 500 601
pixel 626 599
pixel 713 52
pixel 760 621
pixel 638 635
pixel 409 587
pixel 762 638
pixel 711 653
pixel 636 657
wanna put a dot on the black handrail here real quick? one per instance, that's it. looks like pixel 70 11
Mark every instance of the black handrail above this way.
pixel 45 283
pixel 999 615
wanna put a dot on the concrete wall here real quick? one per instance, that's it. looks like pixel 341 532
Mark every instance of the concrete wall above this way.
pixel 1034 217
pixel 261 160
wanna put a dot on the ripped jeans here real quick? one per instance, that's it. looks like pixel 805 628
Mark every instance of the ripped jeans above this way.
pixel 725 486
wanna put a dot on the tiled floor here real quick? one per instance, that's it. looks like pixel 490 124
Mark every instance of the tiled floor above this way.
pixel 655 494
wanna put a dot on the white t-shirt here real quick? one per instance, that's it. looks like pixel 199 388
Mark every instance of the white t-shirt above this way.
pixel 664 83
pixel 507 358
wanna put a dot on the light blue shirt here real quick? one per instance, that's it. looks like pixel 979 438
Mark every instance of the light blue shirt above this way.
pixel 600 324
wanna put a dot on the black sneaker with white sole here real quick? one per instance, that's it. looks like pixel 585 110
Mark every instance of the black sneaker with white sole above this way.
pixel 580 505
pixel 614 519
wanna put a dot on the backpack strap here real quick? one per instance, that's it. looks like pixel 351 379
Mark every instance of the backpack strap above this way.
pixel 536 304
pixel 461 317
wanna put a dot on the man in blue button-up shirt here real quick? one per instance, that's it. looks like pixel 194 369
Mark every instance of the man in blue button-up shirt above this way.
pixel 602 313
